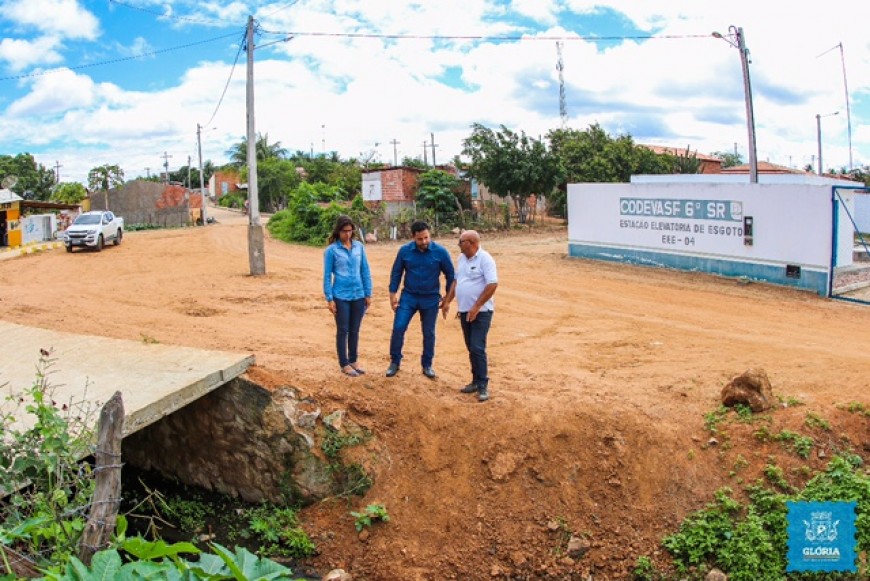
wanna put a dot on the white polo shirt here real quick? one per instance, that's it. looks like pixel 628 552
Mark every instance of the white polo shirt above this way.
pixel 472 276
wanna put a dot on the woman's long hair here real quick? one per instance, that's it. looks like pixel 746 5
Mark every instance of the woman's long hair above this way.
pixel 339 225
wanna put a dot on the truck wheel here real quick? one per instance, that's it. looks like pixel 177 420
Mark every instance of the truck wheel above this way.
pixel 69 248
pixel 99 242
pixel 118 237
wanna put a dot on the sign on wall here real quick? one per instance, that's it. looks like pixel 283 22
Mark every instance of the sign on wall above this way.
pixel 371 187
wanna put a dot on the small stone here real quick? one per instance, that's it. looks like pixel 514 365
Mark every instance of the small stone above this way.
pixel 577 547
pixel 337 575
pixel 553 526
pixel 716 575
pixel 712 442
pixel 495 571
pixel 334 420
pixel 567 561
pixel 363 535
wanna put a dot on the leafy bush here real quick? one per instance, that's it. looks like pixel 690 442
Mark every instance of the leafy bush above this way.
pixel 371 514
pixel 279 531
pixel 49 489
pixel 750 542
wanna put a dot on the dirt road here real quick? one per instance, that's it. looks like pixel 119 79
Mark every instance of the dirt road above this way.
pixel 601 376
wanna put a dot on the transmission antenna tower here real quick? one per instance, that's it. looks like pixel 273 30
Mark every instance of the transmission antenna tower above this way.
pixel 560 66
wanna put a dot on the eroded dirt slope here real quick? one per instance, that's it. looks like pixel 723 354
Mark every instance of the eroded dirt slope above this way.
pixel 601 376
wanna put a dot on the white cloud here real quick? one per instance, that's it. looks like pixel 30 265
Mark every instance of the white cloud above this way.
pixel 64 18
pixel 53 93
pixel 22 54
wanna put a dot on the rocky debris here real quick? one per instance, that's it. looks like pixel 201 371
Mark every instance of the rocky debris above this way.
pixel 504 464
pixel 334 420
pixel 577 547
pixel 751 388
pixel 716 575
pixel 337 575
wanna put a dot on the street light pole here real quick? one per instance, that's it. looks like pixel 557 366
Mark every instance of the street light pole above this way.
pixel 740 45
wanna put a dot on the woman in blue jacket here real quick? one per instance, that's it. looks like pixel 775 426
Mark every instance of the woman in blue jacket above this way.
pixel 347 287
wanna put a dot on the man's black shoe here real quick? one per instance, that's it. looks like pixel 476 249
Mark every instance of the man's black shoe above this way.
pixel 482 394
pixel 470 388
pixel 429 372
pixel 392 370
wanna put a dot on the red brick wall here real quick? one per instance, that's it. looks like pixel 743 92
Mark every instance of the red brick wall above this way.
pixel 399 184
pixel 231 178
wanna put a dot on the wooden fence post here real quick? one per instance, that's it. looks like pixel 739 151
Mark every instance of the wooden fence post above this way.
pixel 107 490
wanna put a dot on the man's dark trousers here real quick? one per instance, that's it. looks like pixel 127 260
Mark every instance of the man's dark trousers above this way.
pixel 409 304
pixel 475 333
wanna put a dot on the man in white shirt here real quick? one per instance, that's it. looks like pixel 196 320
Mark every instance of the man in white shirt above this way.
pixel 476 281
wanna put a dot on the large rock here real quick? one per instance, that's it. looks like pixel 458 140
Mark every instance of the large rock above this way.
pixel 752 388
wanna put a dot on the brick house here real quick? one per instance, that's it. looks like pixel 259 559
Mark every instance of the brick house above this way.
pixel 222 182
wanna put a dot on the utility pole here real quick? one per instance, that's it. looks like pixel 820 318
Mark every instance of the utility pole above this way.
pixel 395 152
pixel 425 152
pixel 57 167
pixel 148 172
pixel 201 178
pixel 166 157
pixel 750 116
pixel 432 135
pixel 256 247
pixel 188 172
pixel 323 140
pixel 740 44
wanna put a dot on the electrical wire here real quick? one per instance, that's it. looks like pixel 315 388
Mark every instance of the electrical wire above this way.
pixel 483 37
pixel 168 16
pixel 227 86
pixel 117 60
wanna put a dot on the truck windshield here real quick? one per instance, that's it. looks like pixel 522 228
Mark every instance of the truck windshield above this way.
pixel 88 219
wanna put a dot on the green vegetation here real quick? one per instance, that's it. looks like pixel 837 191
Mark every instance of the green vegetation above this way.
pixel 334 441
pixel 815 421
pixel 277 528
pixel 714 418
pixel 157 560
pixel 371 514
pixel 50 491
pixel 800 445
pixel 749 541
pixel 645 570
pixel 856 407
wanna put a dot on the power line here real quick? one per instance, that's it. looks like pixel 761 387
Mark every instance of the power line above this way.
pixel 117 60
pixel 229 79
pixel 168 16
pixel 483 37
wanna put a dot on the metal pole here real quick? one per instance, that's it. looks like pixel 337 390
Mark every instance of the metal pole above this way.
pixel 750 117
pixel 819 139
pixel 256 255
pixel 202 194
pixel 848 109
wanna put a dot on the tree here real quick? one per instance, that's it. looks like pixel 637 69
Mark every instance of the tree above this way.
pixel 276 178
pixel 69 193
pixel 104 177
pixel 238 153
pixel 436 190
pixel 415 162
pixel 34 180
pixel 512 164
pixel 728 159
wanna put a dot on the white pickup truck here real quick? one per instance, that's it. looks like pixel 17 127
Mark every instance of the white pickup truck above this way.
pixel 93 230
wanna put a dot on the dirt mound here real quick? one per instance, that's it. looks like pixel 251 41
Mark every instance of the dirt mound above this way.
pixel 603 378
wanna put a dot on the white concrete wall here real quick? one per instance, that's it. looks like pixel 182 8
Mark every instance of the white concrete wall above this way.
pixel 371 187
pixel 38 228
pixel 862 212
pixel 699 226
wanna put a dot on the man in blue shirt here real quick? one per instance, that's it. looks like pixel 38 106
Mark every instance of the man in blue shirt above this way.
pixel 421 261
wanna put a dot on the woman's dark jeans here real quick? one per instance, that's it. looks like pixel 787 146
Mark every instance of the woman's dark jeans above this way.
pixel 348 317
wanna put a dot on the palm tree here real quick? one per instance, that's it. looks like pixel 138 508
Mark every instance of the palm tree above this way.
pixel 238 153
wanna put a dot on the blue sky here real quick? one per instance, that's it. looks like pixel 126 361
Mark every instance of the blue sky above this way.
pixel 86 83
